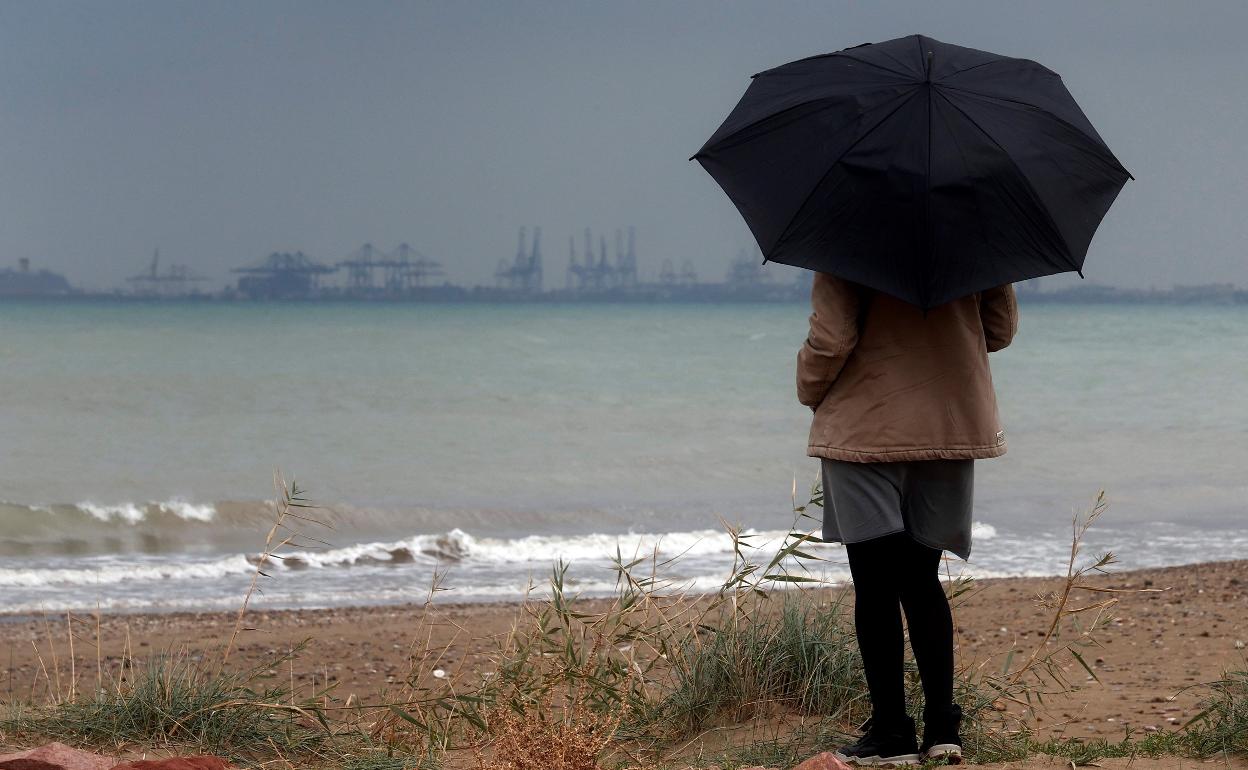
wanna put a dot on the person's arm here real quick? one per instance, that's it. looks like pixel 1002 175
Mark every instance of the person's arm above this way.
pixel 998 309
pixel 833 334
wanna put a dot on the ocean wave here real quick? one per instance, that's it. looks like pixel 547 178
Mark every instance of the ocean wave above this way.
pixel 180 523
pixel 458 545
pixel 133 513
pixel 455 546
pixel 501 568
pixel 126 512
pixel 124 572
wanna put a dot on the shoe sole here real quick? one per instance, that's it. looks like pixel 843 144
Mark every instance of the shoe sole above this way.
pixel 878 761
pixel 950 752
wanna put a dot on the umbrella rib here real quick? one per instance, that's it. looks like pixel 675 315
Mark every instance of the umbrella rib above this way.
pixel 724 142
pixel 788 226
pixel 907 75
pixel 1048 218
pixel 1049 113
pixel 975 199
pixel 977 66
pixel 889 55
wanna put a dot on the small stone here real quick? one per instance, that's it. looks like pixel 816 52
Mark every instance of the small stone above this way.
pixel 55 756
pixel 825 761
pixel 29 764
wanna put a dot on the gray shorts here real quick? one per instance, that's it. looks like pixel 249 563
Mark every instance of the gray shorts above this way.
pixel 930 499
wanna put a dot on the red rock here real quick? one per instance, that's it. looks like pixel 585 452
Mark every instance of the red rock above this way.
pixel 29 764
pixel 176 763
pixel 825 761
pixel 55 756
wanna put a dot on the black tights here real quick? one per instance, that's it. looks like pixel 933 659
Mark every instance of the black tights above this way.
pixel 888 570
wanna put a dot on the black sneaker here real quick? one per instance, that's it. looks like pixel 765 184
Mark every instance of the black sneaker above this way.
pixel 941 740
pixel 883 744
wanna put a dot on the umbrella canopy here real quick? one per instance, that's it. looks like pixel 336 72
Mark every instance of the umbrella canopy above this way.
pixel 925 170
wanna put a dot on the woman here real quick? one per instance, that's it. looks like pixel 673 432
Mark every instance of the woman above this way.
pixel 903 406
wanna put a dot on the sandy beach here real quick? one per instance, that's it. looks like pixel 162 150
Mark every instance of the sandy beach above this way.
pixel 1165 642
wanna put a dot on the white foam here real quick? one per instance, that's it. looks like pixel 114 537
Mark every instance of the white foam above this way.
pixel 458 545
pixel 133 513
pixel 127 512
pixel 184 509
pixel 125 572
pixel 982 531
pixel 706 542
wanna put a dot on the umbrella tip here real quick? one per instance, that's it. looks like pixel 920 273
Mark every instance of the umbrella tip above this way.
pixel 1080 272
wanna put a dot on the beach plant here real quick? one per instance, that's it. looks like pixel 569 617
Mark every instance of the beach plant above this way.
pixel 986 689
pixel 554 661
pixel 174 700
pixel 802 657
pixel 1221 725
pixel 531 740
pixel 290 513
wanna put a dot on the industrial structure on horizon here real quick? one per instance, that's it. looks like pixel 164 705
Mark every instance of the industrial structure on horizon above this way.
pixel 176 281
pixel 592 275
pixel 24 282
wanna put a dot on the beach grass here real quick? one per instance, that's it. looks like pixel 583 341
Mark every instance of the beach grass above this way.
pixel 177 701
pixel 761 672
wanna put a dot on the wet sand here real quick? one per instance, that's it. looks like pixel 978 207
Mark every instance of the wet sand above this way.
pixel 1189 628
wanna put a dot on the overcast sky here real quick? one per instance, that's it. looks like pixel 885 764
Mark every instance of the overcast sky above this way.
pixel 222 131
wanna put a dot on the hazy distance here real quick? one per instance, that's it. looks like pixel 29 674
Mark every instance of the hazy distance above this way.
pixel 220 132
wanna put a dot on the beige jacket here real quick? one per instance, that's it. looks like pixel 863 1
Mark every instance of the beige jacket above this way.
pixel 888 384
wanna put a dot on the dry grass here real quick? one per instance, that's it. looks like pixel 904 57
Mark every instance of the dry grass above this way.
pixel 529 741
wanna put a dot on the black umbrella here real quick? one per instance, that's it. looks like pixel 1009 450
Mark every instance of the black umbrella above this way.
pixel 925 170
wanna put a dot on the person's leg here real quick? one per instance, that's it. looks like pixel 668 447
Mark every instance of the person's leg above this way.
pixel 877 621
pixel 929 620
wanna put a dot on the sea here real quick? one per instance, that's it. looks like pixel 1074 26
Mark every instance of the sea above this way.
pixel 468 452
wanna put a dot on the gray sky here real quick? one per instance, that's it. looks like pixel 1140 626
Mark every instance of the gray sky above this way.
pixel 222 131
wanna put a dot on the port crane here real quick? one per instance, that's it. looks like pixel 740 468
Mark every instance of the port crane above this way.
pixel 171 283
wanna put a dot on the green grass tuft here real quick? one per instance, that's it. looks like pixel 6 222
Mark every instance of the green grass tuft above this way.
pixel 174 701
